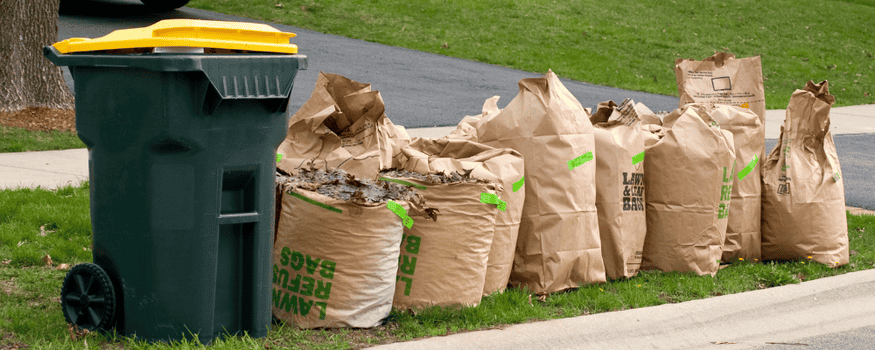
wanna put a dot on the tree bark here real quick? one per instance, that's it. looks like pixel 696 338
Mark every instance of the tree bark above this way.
pixel 27 78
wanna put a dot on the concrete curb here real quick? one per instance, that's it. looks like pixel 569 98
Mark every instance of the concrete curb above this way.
pixel 737 321
pixel 860 211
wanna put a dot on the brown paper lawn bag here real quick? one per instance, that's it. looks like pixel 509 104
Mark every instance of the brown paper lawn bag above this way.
pixel 502 166
pixel 443 262
pixel 558 246
pixel 335 260
pixel 743 226
pixel 688 176
pixel 620 187
pixel 803 191
pixel 723 79
pixel 343 125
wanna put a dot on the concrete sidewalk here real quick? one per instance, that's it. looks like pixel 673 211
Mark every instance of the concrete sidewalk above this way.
pixel 51 169
pixel 736 321
pixel 843 120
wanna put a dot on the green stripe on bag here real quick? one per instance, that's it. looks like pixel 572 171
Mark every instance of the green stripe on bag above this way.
pixel 308 200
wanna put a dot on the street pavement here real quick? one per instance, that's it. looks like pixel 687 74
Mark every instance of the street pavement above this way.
pixel 429 94
pixel 860 338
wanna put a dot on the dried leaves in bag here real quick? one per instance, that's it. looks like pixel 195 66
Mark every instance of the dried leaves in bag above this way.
pixel 444 262
pixel 502 166
pixel 337 249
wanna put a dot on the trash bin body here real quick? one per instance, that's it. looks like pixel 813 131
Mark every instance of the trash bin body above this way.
pixel 182 157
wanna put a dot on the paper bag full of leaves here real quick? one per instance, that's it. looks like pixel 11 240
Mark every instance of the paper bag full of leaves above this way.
pixel 722 79
pixel 502 166
pixel 336 251
pixel 688 176
pixel 343 125
pixel 803 191
pixel 620 186
pixel 743 226
pixel 443 262
pixel 558 246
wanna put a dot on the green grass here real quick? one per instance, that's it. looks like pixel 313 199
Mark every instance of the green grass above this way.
pixel 36 222
pixel 626 44
pixel 30 305
pixel 21 140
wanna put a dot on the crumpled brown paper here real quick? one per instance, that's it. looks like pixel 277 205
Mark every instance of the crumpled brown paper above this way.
pixel 803 191
pixel 344 126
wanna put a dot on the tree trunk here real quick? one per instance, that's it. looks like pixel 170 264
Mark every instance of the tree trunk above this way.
pixel 27 78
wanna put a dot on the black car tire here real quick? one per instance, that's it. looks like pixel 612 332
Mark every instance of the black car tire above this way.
pixel 164 5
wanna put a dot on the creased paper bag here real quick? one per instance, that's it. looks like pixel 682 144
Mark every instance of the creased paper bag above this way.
pixel 443 262
pixel 688 176
pixel 620 186
pixel 502 166
pixel 803 191
pixel 558 246
pixel 344 126
pixel 743 226
pixel 722 79
pixel 334 268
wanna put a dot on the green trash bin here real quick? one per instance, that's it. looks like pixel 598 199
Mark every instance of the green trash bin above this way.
pixel 182 157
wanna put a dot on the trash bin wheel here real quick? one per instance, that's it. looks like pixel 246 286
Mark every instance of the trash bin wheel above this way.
pixel 88 298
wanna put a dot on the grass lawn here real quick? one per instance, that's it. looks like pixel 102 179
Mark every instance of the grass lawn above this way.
pixel 21 140
pixel 626 44
pixel 35 223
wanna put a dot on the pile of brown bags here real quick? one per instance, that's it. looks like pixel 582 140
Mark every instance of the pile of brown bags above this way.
pixel 545 194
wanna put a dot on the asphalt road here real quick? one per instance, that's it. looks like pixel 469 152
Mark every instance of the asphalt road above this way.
pixel 860 338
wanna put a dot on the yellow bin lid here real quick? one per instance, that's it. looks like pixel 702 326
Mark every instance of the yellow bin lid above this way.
pixel 189 33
